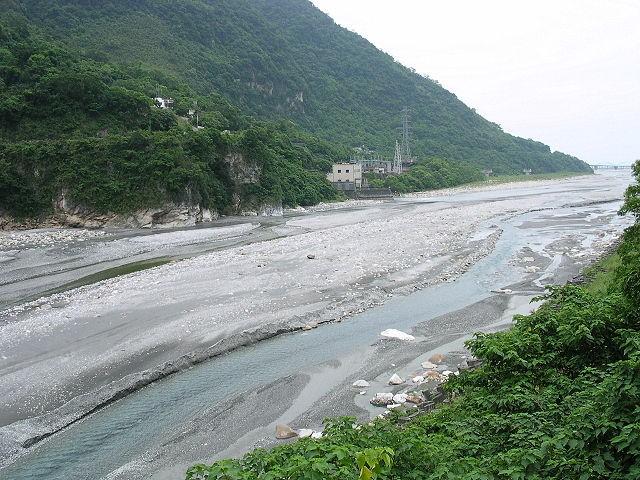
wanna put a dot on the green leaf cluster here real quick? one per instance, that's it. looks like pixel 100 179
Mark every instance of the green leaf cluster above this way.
pixel 432 174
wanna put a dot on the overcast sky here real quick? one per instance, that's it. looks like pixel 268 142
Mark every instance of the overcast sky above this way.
pixel 565 72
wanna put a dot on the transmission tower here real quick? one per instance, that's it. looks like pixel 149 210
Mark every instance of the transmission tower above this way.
pixel 397 160
pixel 406 148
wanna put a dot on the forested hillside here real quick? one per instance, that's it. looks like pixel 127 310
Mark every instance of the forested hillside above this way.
pixel 91 131
pixel 284 59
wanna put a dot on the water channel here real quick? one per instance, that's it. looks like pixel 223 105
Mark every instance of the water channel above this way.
pixel 101 443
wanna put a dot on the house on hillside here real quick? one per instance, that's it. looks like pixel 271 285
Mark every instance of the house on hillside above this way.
pixel 165 102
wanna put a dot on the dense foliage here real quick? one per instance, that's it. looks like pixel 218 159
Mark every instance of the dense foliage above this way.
pixel 92 130
pixel 284 59
pixel 558 397
pixel 428 175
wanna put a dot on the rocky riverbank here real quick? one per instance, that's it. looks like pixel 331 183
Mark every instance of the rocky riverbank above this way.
pixel 333 265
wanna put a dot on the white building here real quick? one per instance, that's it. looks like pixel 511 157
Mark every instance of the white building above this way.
pixel 346 176
pixel 165 102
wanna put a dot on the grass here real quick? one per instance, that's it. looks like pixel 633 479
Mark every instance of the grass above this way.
pixel 600 275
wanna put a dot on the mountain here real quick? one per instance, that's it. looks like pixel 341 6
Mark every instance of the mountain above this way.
pixel 285 59
pixel 281 93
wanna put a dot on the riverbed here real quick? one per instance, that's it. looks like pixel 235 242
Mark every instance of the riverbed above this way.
pixel 426 262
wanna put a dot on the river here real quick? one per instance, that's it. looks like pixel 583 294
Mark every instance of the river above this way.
pixel 73 327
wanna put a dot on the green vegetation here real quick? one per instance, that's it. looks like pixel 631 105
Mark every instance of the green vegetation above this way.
pixel 601 275
pixel 92 130
pixel 558 397
pixel 428 175
pixel 285 59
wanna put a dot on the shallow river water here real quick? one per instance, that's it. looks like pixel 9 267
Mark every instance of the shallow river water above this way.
pixel 119 433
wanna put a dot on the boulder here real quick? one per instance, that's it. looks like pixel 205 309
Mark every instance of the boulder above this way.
pixel 285 431
pixel 395 379
pixel 432 375
pixel 305 432
pixel 400 398
pixel 414 399
pixel 382 399
pixel 501 290
pixel 360 384
pixel 311 256
pixel 436 358
pixel 418 379
pixel 428 365
pixel 397 334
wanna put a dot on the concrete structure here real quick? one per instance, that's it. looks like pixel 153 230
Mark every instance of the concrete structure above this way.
pixel 165 102
pixel 346 176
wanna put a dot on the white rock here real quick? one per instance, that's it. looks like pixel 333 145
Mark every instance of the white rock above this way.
pixel 400 398
pixel 363 392
pixel 395 379
pixel 532 269
pixel 394 405
pixel 360 384
pixel 305 432
pixel 316 435
pixel 418 379
pixel 393 333
pixel 528 259
pixel 428 365
pixel 382 399
pixel 502 290
pixel 446 373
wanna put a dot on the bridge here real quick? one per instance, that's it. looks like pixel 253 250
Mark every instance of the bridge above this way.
pixel 610 167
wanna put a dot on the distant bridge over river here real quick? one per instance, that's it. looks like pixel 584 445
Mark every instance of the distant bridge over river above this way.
pixel 610 167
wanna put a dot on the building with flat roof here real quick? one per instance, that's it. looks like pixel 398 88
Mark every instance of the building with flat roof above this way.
pixel 346 176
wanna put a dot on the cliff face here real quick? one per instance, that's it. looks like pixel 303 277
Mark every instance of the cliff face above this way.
pixel 68 213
